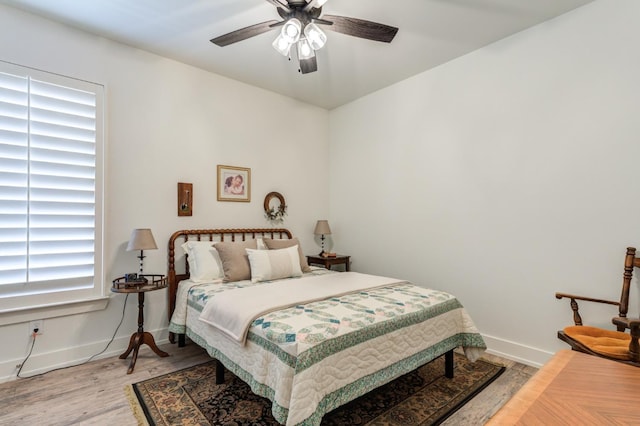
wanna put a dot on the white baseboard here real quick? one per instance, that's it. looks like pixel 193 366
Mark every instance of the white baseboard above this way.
pixel 523 354
pixel 42 362
pixel 39 363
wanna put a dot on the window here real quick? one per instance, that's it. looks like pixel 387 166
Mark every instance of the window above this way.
pixel 51 148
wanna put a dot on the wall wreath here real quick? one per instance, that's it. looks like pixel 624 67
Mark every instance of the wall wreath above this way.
pixel 277 212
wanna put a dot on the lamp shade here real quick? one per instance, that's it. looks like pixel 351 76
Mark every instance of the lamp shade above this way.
pixel 305 51
pixel 316 37
pixel 291 30
pixel 282 45
pixel 141 239
pixel 322 228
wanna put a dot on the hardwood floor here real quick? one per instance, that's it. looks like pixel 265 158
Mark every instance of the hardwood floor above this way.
pixel 484 405
pixel 89 394
pixel 93 394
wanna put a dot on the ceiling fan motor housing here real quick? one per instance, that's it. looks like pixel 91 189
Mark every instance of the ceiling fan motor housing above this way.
pixel 297 3
pixel 303 16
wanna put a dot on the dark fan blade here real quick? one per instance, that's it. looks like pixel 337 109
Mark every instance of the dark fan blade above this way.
pixel 279 5
pixel 360 28
pixel 283 13
pixel 243 33
pixel 322 21
pixel 308 65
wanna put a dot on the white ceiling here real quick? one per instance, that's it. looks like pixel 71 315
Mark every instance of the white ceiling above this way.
pixel 431 32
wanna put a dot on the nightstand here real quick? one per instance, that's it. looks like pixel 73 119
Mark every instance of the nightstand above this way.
pixel 140 337
pixel 328 261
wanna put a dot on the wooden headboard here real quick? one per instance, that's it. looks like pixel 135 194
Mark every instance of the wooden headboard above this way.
pixel 214 235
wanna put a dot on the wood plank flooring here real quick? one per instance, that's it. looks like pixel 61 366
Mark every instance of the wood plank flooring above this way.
pixel 93 394
pixel 486 403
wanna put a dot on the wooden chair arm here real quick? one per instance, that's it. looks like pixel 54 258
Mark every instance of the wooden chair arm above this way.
pixel 586 299
pixel 622 323
pixel 577 319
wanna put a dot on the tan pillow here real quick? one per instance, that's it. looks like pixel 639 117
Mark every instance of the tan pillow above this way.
pixel 235 262
pixel 280 244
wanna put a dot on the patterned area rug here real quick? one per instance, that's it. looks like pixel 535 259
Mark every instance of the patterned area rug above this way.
pixel 422 397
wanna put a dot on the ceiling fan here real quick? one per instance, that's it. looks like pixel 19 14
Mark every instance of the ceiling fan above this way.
pixel 300 27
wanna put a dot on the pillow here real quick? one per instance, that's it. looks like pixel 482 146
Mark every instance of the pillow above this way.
pixel 235 262
pixel 280 244
pixel 274 264
pixel 204 261
pixel 261 245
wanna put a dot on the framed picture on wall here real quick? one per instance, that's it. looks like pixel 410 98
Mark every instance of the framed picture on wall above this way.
pixel 234 183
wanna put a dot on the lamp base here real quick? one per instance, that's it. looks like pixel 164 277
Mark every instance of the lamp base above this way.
pixel 141 257
pixel 322 245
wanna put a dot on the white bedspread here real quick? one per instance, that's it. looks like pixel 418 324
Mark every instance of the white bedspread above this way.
pixel 234 311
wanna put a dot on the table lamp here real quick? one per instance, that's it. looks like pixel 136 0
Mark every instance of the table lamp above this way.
pixel 141 239
pixel 322 228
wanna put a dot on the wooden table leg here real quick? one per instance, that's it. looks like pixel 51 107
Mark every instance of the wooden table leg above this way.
pixel 140 338
pixel 147 339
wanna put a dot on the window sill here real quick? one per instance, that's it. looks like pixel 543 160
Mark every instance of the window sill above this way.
pixel 52 311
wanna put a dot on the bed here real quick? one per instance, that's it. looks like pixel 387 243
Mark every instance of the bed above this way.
pixel 353 333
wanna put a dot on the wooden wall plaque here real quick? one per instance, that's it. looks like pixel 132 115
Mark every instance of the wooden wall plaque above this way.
pixel 185 199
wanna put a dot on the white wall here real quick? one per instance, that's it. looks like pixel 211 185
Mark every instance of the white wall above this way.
pixel 503 176
pixel 166 123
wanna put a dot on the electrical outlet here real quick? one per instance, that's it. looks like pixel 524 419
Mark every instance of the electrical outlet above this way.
pixel 37 324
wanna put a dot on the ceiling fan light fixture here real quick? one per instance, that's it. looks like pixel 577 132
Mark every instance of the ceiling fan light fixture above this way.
pixel 315 4
pixel 305 51
pixel 291 30
pixel 281 45
pixel 316 37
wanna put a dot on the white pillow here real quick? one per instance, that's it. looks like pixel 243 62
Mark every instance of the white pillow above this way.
pixel 261 244
pixel 204 261
pixel 274 264
pixel 280 244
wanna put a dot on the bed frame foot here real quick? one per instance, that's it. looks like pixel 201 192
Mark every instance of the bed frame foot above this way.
pixel 181 341
pixel 172 338
pixel 448 364
pixel 219 373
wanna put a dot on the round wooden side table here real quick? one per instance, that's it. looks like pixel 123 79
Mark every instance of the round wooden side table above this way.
pixel 140 337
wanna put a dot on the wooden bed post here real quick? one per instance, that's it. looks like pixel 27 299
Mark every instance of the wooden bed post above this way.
pixel 448 364
pixel 219 373
pixel 171 275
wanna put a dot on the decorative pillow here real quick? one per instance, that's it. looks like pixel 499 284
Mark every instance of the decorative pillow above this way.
pixel 274 264
pixel 261 244
pixel 280 244
pixel 204 261
pixel 235 262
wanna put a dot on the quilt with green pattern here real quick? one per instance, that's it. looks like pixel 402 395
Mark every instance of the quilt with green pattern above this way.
pixel 310 358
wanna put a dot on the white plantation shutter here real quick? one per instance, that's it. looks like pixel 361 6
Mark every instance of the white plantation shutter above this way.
pixel 50 189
